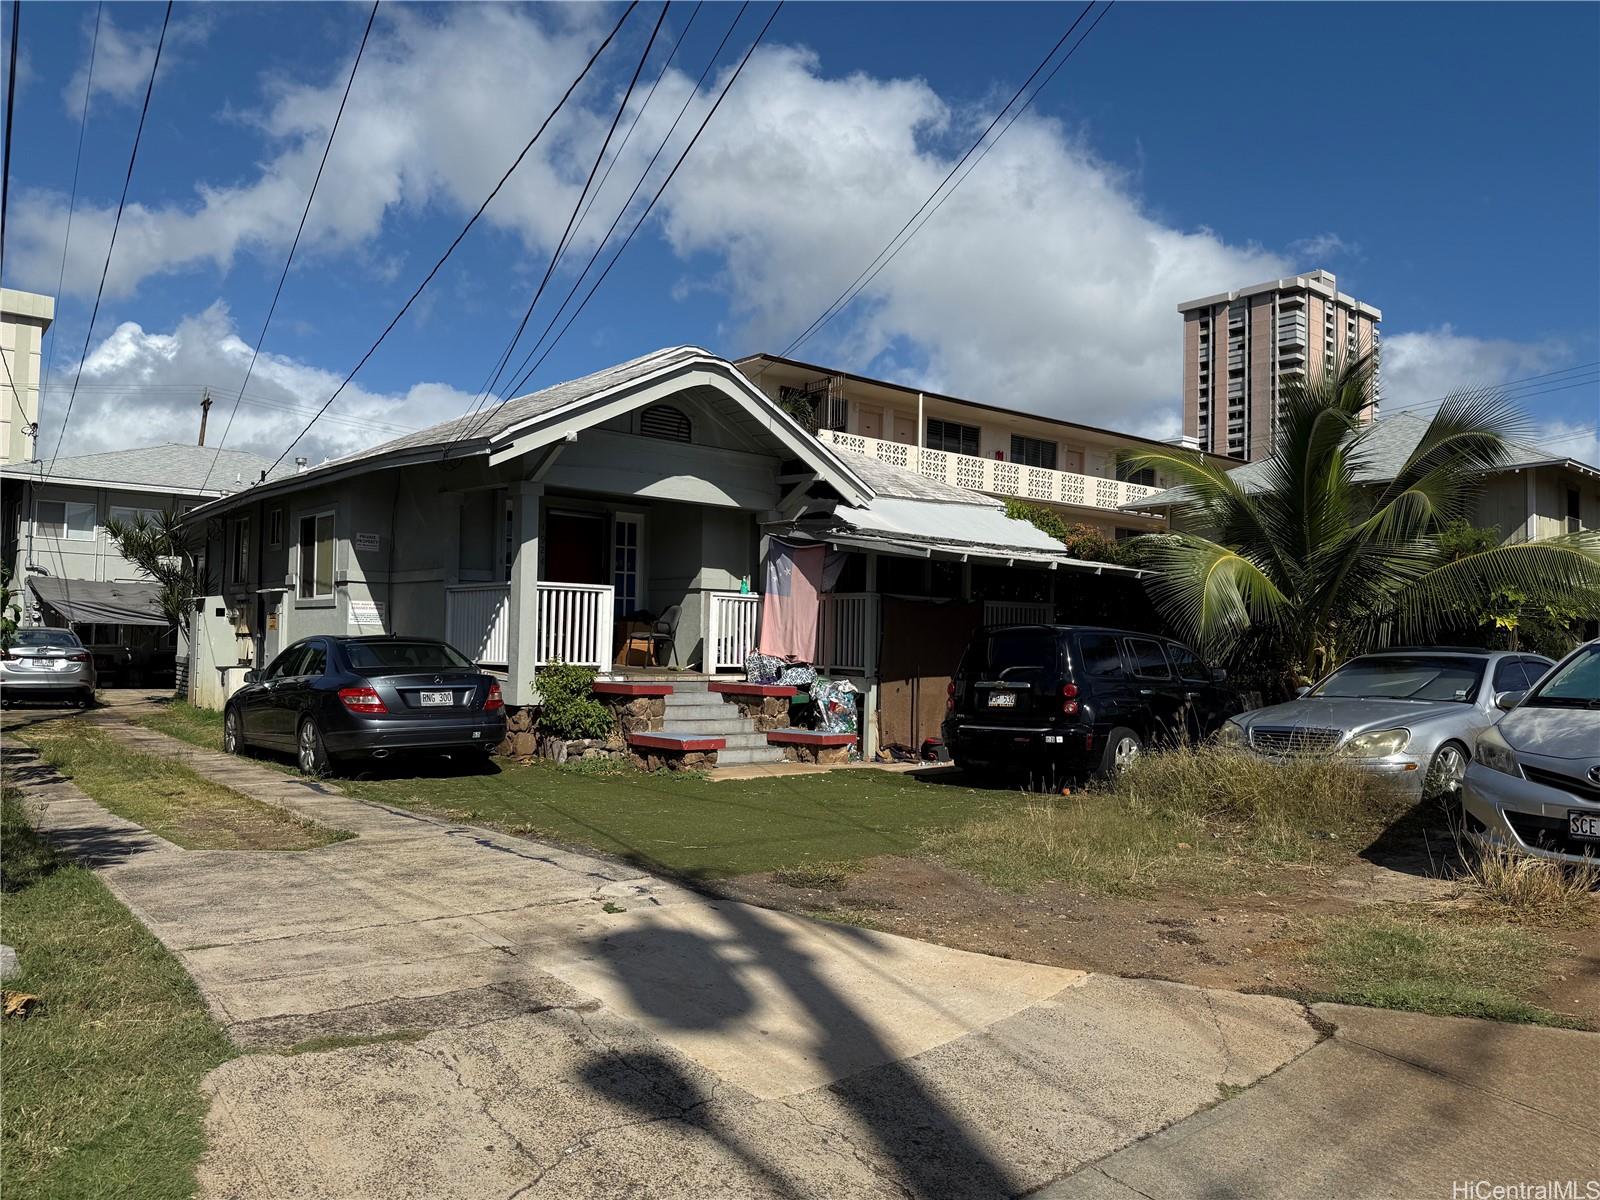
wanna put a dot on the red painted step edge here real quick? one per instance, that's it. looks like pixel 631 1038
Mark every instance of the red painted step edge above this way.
pixel 608 687
pixel 808 737
pixel 660 741
pixel 754 689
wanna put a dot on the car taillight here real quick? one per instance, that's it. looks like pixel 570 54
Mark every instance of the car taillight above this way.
pixel 493 701
pixel 950 696
pixel 362 700
pixel 1069 701
pixel 78 657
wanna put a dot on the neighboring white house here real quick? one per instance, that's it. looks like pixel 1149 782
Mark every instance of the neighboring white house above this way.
pixel 546 530
pixel 24 318
pixel 62 561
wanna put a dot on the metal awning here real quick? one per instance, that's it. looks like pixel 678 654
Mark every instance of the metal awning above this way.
pixel 88 602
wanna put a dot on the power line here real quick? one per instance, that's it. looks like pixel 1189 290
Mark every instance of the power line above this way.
pixel 133 157
pixel 1508 385
pixel 572 219
pixel 72 202
pixel 11 111
pixel 732 79
pixel 295 244
pixel 844 297
pixel 622 211
pixel 449 250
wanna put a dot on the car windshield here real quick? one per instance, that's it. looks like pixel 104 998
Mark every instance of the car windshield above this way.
pixel 1404 677
pixel 387 658
pixel 45 637
pixel 1574 684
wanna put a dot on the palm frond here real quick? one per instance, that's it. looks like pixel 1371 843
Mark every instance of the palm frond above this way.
pixel 1212 593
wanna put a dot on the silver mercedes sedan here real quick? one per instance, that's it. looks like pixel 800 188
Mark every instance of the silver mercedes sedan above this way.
pixel 1410 714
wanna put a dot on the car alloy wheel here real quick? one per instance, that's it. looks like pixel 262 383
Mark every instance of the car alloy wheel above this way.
pixel 308 748
pixel 1126 751
pixel 1449 768
pixel 230 733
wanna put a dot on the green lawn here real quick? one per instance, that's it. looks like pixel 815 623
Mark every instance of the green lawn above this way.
pixel 100 1091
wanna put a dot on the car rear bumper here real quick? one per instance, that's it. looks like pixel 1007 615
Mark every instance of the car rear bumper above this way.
pixel 1023 747
pixel 1516 814
pixel 391 735
pixel 77 678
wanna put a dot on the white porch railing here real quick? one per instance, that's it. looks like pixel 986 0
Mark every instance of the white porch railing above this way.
pixel 575 622
pixel 1017 612
pixel 476 621
pixel 847 631
pixel 731 632
pixel 994 476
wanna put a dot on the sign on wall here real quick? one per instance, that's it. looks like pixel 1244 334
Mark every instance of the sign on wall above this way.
pixel 368 541
pixel 366 613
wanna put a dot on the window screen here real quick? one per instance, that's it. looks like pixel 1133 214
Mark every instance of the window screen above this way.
pixel 1147 658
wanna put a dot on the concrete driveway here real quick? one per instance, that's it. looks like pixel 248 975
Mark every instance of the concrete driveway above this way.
pixel 566 1026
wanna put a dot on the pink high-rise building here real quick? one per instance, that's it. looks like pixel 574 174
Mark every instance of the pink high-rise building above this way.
pixel 1239 346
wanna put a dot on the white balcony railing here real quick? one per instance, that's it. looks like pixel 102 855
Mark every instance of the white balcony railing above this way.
pixel 994 476
pixel 475 621
pixel 847 631
pixel 1017 612
pixel 575 622
pixel 731 630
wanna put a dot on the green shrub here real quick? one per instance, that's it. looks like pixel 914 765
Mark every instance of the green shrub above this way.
pixel 567 707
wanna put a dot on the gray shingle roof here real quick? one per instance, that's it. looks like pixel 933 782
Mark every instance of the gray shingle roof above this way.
pixel 171 467
pixel 1391 443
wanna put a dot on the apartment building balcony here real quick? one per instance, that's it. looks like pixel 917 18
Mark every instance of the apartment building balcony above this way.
pixel 996 477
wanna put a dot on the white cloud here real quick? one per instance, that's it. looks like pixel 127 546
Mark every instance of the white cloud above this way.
pixel 1323 247
pixel 141 387
pixel 1429 364
pixel 1571 440
pixel 122 57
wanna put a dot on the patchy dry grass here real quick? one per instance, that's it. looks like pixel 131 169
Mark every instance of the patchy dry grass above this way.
pixel 167 797
pixel 182 720
pixel 100 1096
pixel 827 877
pixel 1432 965
pixel 1532 890
pixel 1202 817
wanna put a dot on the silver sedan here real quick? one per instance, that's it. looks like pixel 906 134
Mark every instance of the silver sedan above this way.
pixel 1412 715
pixel 1534 784
pixel 46 664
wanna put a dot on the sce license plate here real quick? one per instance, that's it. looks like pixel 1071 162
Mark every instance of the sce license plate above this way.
pixel 1002 699
pixel 1584 825
pixel 438 699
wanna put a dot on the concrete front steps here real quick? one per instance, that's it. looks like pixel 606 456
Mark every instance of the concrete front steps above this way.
pixel 693 709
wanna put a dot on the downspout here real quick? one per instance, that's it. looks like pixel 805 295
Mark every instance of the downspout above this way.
pixel 394 512
pixel 919 421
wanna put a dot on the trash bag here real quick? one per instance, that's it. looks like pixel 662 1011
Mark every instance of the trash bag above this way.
pixel 797 676
pixel 836 705
pixel 762 668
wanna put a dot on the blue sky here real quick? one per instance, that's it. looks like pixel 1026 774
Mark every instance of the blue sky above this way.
pixel 1443 159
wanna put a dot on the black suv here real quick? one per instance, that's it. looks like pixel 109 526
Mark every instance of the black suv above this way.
pixel 1075 700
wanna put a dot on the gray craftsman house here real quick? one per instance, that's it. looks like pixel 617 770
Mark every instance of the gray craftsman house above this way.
pixel 566 524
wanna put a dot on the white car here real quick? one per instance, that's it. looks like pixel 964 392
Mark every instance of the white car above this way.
pixel 1534 781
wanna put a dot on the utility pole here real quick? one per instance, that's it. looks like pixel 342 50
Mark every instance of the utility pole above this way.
pixel 205 411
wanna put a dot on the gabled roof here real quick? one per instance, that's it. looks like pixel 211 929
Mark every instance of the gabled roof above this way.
pixel 540 418
pixel 173 467
pixel 1388 446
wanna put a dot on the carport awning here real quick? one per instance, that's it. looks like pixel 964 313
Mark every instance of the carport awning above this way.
pixel 87 602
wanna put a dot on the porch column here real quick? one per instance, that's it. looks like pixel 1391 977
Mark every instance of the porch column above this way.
pixel 869 714
pixel 522 606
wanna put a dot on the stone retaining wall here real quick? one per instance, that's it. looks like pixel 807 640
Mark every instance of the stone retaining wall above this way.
pixel 629 714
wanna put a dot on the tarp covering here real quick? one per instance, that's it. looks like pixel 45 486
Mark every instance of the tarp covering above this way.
pixel 789 600
pixel 86 602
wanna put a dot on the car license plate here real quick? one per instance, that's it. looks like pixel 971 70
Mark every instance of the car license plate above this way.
pixel 1002 699
pixel 437 699
pixel 1584 825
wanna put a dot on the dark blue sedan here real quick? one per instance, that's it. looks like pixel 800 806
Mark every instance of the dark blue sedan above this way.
pixel 334 699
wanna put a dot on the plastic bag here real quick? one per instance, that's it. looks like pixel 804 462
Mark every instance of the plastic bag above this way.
pixel 836 705
pixel 762 668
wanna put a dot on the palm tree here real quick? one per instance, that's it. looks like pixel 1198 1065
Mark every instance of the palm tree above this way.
pixel 1322 562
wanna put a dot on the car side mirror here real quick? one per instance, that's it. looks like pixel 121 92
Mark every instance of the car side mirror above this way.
pixel 1219 675
pixel 1302 690
pixel 1508 700
pixel 252 676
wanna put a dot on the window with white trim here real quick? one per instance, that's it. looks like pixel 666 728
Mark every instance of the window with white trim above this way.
pixel 128 514
pixel 239 550
pixel 315 576
pixel 73 520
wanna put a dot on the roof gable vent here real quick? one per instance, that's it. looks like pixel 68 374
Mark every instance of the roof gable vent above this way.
pixel 664 422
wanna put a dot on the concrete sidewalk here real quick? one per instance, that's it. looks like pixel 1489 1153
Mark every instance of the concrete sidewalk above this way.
pixel 577 1028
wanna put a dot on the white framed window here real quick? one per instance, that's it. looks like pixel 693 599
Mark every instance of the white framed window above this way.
pixel 627 542
pixel 275 529
pixel 130 515
pixel 72 520
pixel 315 557
pixel 239 550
